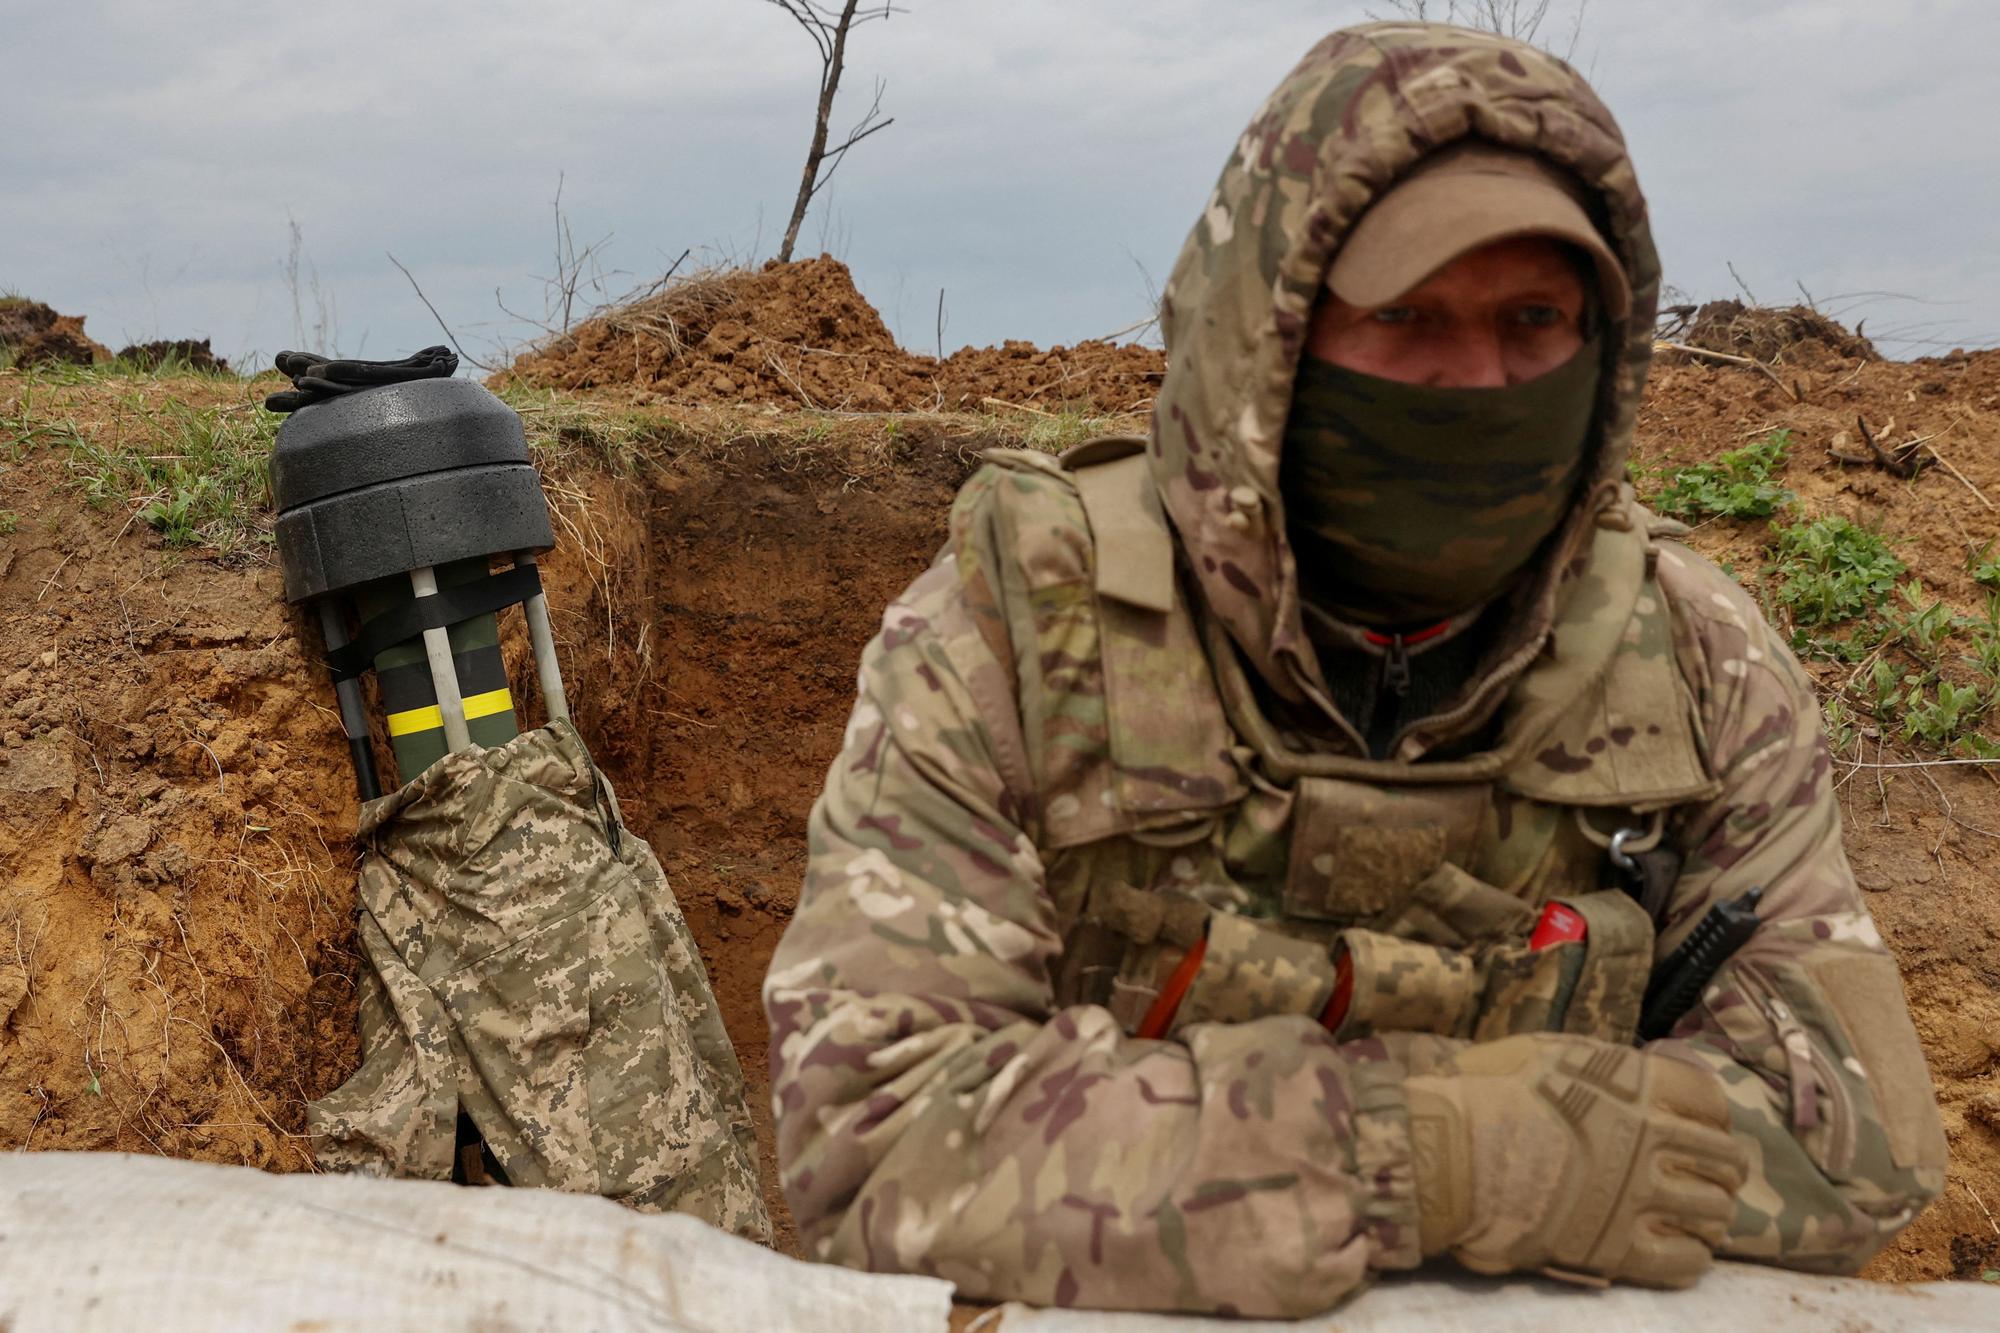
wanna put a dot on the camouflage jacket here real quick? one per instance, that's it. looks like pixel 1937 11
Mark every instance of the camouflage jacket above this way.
pixel 1038 723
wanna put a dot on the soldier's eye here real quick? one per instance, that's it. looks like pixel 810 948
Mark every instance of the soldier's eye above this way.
pixel 1538 316
pixel 1395 314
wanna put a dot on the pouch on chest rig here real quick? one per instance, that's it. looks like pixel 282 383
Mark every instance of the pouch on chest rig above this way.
pixel 1357 850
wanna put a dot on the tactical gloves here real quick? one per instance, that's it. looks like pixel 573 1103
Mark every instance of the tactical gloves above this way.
pixel 316 377
pixel 1575 1157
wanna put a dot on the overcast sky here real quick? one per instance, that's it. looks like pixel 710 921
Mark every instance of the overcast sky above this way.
pixel 1047 156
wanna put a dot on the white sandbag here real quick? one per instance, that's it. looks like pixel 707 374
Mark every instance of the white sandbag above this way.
pixel 112 1241
pixel 1742 1297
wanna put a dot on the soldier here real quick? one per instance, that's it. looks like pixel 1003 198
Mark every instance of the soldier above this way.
pixel 1170 937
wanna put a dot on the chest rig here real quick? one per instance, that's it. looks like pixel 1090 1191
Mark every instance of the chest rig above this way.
pixel 1173 812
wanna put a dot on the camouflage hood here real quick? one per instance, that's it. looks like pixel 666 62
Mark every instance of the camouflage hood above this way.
pixel 1357 112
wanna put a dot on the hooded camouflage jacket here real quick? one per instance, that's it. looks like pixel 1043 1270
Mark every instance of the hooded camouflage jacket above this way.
pixel 1045 724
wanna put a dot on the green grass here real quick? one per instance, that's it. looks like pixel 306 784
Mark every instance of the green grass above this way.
pixel 173 367
pixel 9 522
pixel 202 480
pixel 67 373
pixel 1738 484
pixel 1060 430
pixel 27 428
pixel 561 428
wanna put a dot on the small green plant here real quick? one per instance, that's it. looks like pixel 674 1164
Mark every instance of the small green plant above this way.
pixel 1943 716
pixel 1974 745
pixel 1885 689
pixel 1985 568
pixel 1738 484
pixel 1985 655
pixel 177 515
pixel 9 522
pixel 1922 626
pixel 1839 722
pixel 1831 570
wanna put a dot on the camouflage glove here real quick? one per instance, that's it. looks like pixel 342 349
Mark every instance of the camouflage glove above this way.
pixel 1575 1157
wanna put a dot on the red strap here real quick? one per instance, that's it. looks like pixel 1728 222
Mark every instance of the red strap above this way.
pixel 1161 1016
pixel 1335 1012
pixel 1420 636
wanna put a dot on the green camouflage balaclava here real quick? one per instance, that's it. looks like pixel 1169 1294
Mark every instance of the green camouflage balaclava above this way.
pixel 1408 502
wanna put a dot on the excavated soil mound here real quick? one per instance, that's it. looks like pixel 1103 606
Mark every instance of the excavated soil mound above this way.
pixel 790 333
pixel 1112 377
pixel 1794 336
pixel 800 335
pixel 194 353
pixel 35 333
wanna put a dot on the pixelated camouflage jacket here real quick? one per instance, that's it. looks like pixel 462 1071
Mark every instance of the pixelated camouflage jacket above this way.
pixel 526 962
pixel 1055 741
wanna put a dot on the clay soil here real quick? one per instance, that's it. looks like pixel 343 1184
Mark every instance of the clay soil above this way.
pixel 800 336
pixel 177 961
pixel 31 332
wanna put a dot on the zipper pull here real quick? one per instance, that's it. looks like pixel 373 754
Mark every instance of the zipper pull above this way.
pixel 1396 667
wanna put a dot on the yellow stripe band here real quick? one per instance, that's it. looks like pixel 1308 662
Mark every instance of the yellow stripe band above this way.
pixel 429 718
pixel 487 704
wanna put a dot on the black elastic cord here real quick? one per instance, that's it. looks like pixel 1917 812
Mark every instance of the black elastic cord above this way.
pixel 447 606
pixel 316 377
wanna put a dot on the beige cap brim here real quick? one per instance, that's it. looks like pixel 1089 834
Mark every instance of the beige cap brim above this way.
pixel 1471 197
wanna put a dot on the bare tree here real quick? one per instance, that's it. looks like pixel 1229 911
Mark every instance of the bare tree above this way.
pixel 828 29
pixel 1519 19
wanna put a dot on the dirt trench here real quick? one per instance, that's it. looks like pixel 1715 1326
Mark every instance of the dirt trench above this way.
pixel 755 581
pixel 177 953
pixel 176 883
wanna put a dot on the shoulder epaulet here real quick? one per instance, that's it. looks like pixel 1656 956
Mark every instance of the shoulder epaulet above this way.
pixel 1134 550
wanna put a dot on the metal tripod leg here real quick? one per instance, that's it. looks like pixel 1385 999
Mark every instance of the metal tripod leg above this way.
pixel 353 719
pixel 542 637
pixel 444 673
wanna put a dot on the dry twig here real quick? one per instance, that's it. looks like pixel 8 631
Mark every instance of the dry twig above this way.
pixel 1791 390
pixel 1899 463
pixel 1014 407
pixel 50 580
pixel 1982 1208
pixel 771 360
pixel 1942 462
pixel 193 739
pixel 465 355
